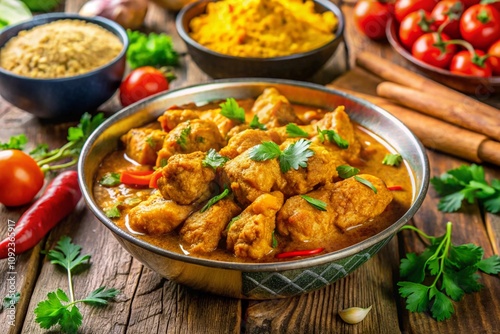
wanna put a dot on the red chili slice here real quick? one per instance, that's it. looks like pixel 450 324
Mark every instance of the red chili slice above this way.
pixel 395 188
pixel 138 178
pixel 153 182
pixel 305 252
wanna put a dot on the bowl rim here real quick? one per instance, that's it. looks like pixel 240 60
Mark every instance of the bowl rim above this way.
pixel 392 37
pixel 42 19
pixel 389 232
pixel 328 5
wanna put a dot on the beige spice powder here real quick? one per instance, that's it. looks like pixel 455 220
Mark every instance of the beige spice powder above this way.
pixel 58 49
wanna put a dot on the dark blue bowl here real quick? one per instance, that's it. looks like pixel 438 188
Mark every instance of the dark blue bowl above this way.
pixel 63 98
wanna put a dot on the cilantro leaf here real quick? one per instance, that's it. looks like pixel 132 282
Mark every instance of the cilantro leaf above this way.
pixel 50 311
pixel 294 131
pixel 150 49
pixel 183 137
pixel 490 265
pixel 265 151
pixel 214 159
pixel 10 300
pixel 346 171
pixel 110 179
pixel 113 212
pixel 392 159
pixel 451 287
pixel 232 110
pixel 451 202
pixel 215 199
pixel 316 203
pixel 441 308
pixel 333 137
pixel 67 254
pixel 295 155
pixel 15 143
pixel 413 267
pixel 416 294
pixel 366 183
pixel 255 124
pixel 100 296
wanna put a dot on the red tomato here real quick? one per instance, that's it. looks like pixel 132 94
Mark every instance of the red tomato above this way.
pixel 448 12
pixel 141 83
pixel 371 18
pixel 464 63
pixel 480 26
pixel 426 50
pixel 413 26
pixel 405 7
pixel 20 177
pixel 494 52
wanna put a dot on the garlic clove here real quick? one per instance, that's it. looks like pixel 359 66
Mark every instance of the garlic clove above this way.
pixel 353 315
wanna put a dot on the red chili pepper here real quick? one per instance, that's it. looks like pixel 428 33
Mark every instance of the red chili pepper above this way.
pixel 153 182
pixel 299 253
pixel 138 178
pixel 58 200
pixel 395 188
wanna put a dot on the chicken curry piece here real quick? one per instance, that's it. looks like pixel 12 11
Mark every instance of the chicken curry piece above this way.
pixel 247 180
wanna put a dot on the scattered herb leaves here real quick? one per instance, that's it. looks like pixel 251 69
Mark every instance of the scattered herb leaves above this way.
pixel 215 199
pixel 255 124
pixel 265 151
pixel 392 159
pixel 453 269
pixel 316 203
pixel 152 49
pixel 183 137
pixel 333 137
pixel 214 159
pixel 346 171
pixel 293 156
pixel 110 179
pixel 294 131
pixel 366 183
pixel 15 143
pixel 232 110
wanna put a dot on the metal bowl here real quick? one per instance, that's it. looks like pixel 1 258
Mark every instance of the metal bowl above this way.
pixel 259 280
pixel 296 66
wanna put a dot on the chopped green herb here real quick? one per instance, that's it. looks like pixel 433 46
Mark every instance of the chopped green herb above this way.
pixel 274 241
pixel 295 155
pixel 15 143
pixel 333 137
pixel 10 300
pixel 214 159
pixel 232 221
pixel 366 183
pixel 316 203
pixel 466 183
pixel 183 137
pixel 232 110
pixel 294 131
pixel 346 171
pixel 152 49
pixel 451 269
pixel 113 212
pixel 151 142
pixel 265 151
pixel 392 159
pixel 215 199
pixel 163 162
pixel 255 124
pixel 110 179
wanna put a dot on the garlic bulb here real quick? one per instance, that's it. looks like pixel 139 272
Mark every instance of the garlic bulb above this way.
pixel 353 315
pixel 128 13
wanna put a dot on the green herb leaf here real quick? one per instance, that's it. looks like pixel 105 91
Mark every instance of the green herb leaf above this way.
pixel 294 131
pixel 232 110
pixel 265 151
pixel 490 265
pixel 392 159
pixel 274 241
pixel 151 142
pixel 316 203
pixel 295 155
pixel 40 151
pixel 41 5
pixel 110 179
pixel 67 254
pixel 10 300
pixel 153 49
pixel 183 137
pixel 333 137
pixel 215 199
pixel 255 124
pixel 346 171
pixel 100 296
pixel 50 311
pixel 232 221
pixel 214 159
pixel 15 143
pixel 113 212
pixel 366 183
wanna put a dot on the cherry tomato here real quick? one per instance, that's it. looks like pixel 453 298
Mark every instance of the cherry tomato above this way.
pixel 20 177
pixel 413 26
pixel 448 12
pixel 494 52
pixel 480 26
pixel 371 18
pixel 141 83
pixel 405 7
pixel 464 63
pixel 426 49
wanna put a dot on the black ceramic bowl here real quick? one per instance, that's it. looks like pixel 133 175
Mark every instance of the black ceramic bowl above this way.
pixel 297 66
pixel 69 97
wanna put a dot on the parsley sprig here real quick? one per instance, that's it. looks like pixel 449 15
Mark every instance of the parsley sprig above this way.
pixel 293 156
pixel 17 142
pixel 256 124
pixel 214 159
pixel 232 110
pixel 451 269
pixel 150 49
pixel 59 308
pixel 466 183
pixel 333 137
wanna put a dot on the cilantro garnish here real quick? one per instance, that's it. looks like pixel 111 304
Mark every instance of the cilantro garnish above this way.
pixel 215 199
pixel 333 137
pixel 15 143
pixel 183 137
pixel 113 212
pixel 392 159
pixel 232 110
pixel 153 49
pixel 214 159
pixel 451 271
pixel 366 183
pixel 10 300
pixel 294 131
pixel 60 309
pixel 293 156
pixel 110 179
pixel 346 171
pixel 466 183
pixel 255 124
pixel 316 203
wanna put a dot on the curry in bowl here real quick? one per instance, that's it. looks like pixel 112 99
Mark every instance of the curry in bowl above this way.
pixel 252 180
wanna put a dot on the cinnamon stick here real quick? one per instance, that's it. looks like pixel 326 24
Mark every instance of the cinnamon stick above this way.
pixel 397 74
pixel 441 108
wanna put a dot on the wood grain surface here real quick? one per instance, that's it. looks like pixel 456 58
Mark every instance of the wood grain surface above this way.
pixel 149 303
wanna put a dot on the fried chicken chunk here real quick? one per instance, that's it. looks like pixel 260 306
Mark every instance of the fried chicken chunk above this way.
pixel 202 231
pixel 185 180
pixel 250 236
pixel 157 216
pixel 142 144
pixel 171 118
pixel 274 109
pixel 242 141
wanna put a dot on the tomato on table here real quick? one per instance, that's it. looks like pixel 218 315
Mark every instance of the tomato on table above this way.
pixel 413 26
pixel 20 178
pixel 480 26
pixel 448 13
pixel 371 18
pixel 141 83
pixel 471 64
pixel 494 52
pixel 405 7
pixel 430 49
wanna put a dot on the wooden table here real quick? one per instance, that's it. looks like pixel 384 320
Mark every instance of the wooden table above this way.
pixel 149 303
